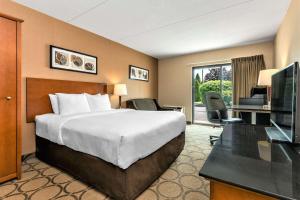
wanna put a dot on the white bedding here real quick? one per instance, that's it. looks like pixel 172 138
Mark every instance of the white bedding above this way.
pixel 120 137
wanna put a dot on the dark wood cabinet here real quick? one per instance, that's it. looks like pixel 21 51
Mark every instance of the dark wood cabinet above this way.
pixel 10 98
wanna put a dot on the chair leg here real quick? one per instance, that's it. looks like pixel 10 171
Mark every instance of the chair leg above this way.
pixel 213 139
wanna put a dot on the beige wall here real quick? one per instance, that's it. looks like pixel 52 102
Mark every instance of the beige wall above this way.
pixel 175 74
pixel 287 42
pixel 39 31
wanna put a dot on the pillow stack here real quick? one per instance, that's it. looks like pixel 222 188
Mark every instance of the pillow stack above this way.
pixel 67 104
pixel 98 102
pixel 54 103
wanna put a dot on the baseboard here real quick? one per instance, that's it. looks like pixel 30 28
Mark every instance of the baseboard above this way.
pixel 25 156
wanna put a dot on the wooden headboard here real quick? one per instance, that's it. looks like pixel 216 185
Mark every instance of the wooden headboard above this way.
pixel 37 90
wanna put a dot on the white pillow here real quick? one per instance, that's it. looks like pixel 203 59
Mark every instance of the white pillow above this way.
pixel 54 103
pixel 72 104
pixel 105 102
pixel 98 102
pixel 94 101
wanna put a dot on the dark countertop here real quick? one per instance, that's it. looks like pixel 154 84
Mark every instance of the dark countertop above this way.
pixel 242 157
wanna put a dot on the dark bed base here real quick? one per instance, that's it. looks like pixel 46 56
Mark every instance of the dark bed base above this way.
pixel 107 178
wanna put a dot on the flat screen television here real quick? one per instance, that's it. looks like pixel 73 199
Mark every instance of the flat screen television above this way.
pixel 285 102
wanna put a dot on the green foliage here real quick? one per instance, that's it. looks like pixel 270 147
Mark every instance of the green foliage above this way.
pixel 197 91
pixel 214 74
pixel 197 79
pixel 197 86
pixel 227 96
pixel 214 86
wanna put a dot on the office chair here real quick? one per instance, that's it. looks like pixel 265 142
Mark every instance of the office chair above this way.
pixel 217 112
pixel 258 90
pixel 252 101
pixel 259 98
pixel 260 93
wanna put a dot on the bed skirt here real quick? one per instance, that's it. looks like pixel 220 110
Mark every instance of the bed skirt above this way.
pixel 120 184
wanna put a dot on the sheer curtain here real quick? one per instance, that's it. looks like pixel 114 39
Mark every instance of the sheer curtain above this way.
pixel 245 75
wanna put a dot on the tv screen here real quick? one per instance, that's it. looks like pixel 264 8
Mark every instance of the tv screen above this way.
pixel 283 100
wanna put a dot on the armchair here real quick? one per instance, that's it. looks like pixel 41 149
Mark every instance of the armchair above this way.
pixel 149 104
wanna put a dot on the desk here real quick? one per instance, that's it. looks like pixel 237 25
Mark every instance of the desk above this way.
pixel 243 165
pixel 253 109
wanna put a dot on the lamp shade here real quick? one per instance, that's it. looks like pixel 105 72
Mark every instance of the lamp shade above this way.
pixel 120 89
pixel 265 77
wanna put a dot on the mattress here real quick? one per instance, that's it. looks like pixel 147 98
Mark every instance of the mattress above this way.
pixel 120 136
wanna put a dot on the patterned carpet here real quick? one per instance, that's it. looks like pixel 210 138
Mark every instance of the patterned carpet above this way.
pixel 181 181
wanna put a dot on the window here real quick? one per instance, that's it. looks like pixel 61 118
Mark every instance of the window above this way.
pixel 217 78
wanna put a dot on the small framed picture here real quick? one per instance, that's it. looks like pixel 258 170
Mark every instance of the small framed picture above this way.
pixel 66 59
pixel 137 73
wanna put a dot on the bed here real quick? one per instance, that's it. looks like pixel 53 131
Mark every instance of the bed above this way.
pixel 122 161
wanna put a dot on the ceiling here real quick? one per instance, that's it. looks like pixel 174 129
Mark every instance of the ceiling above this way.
pixel 166 28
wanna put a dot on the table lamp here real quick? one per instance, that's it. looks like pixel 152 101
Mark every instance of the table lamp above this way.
pixel 120 90
pixel 265 79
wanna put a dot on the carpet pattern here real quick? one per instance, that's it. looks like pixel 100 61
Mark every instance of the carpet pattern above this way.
pixel 181 181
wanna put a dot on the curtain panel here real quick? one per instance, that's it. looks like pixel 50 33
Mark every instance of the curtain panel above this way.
pixel 245 75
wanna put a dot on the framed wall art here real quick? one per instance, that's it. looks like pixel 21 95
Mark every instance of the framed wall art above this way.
pixel 137 73
pixel 66 59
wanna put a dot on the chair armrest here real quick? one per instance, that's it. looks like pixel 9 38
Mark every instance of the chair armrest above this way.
pixel 174 108
pixel 130 104
pixel 165 108
pixel 168 108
